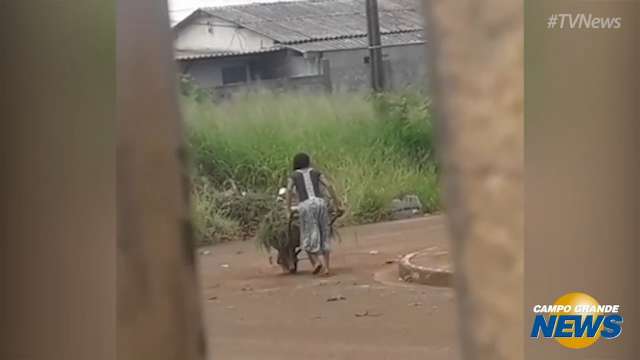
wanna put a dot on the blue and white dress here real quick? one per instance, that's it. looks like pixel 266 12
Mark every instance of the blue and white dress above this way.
pixel 313 211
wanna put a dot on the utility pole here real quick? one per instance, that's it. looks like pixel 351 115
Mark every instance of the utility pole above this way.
pixel 375 49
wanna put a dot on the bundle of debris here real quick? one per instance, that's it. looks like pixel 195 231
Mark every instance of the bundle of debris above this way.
pixel 273 231
pixel 277 232
pixel 245 208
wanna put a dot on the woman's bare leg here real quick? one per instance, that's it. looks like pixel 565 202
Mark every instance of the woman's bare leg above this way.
pixel 326 256
pixel 312 259
pixel 315 262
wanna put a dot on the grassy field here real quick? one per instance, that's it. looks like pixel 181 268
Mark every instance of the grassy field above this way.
pixel 373 148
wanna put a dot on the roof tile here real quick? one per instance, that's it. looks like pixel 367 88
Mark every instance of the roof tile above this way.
pixel 302 21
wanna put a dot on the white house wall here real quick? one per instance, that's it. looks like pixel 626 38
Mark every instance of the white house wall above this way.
pixel 265 66
pixel 209 33
pixel 404 68
pixel 297 65
pixel 206 74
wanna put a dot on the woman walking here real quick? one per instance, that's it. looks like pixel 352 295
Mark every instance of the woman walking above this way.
pixel 311 186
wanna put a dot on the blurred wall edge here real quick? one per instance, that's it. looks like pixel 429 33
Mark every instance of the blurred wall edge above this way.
pixel 582 168
pixel 478 61
pixel 158 300
pixel 57 229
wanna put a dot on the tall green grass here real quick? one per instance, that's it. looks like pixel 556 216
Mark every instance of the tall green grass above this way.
pixel 373 148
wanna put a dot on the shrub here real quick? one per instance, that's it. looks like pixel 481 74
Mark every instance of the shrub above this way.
pixel 373 148
pixel 210 223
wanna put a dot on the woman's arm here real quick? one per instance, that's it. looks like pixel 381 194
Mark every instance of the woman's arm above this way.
pixel 289 193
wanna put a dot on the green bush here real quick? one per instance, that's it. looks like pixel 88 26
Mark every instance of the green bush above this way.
pixel 373 148
pixel 210 223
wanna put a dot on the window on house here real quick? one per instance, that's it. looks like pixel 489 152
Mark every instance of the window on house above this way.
pixel 234 74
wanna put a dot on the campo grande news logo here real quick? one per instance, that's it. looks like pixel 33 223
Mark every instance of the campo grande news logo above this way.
pixel 577 321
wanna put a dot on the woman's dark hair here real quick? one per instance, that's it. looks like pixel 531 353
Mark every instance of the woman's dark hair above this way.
pixel 301 161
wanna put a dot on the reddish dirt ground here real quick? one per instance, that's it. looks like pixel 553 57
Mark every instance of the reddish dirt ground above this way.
pixel 252 311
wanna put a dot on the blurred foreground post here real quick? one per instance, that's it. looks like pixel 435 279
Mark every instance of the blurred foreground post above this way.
pixel 158 302
pixel 477 50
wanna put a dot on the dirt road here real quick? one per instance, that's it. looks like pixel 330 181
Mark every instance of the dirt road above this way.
pixel 362 312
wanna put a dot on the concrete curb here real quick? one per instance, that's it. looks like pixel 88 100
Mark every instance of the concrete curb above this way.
pixel 436 273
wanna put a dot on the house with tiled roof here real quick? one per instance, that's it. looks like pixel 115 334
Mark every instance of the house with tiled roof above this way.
pixel 319 43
